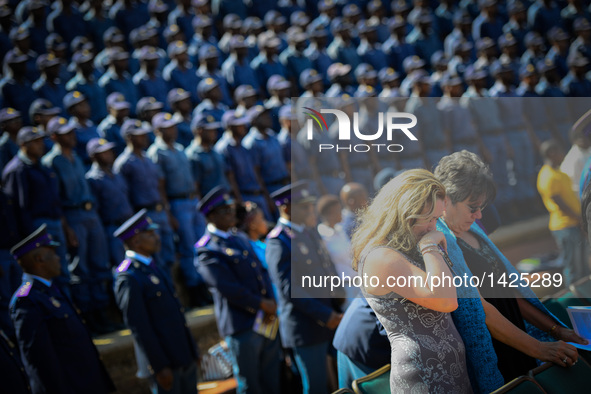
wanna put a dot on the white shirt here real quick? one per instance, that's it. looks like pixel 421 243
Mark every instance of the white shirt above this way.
pixel 573 163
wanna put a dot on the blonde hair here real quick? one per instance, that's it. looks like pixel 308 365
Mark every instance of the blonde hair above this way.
pixel 393 212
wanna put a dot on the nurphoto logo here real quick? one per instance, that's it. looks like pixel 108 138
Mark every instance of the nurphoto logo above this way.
pixel 394 122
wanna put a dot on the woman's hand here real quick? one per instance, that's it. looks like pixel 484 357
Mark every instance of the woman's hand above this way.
pixel 559 353
pixel 568 335
pixel 433 237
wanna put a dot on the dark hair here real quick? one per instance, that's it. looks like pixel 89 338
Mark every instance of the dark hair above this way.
pixel 245 213
pixel 325 203
pixel 466 176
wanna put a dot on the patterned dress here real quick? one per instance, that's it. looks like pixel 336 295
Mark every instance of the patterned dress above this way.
pixel 428 354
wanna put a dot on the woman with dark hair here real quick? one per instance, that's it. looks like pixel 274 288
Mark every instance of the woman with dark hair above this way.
pixel 470 188
pixel 251 220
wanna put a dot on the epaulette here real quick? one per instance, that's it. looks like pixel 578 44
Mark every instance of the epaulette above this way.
pixel 24 290
pixel 203 241
pixel 124 265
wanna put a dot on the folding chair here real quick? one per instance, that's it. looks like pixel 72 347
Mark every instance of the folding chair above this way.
pixel 555 379
pixel 376 382
pixel 521 385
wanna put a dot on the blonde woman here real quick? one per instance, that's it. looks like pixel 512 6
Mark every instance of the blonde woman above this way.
pixel 395 242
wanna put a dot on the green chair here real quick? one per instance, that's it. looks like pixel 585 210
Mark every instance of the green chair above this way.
pixel 558 302
pixel 582 289
pixel 377 382
pixel 555 379
pixel 521 385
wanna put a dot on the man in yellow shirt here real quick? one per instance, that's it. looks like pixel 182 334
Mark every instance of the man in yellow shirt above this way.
pixel 560 200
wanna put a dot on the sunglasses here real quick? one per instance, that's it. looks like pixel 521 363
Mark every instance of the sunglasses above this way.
pixel 473 210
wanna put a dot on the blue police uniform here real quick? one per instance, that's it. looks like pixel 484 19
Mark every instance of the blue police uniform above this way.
pixel 511 112
pixel 55 94
pixel 8 149
pixel 110 193
pixel 267 155
pixel 345 53
pixel 207 167
pixel 155 317
pixel 208 108
pixel 457 121
pixel 294 153
pixel 12 367
pixel 18 95
pixel 181 79
pixel 111 131
pixel 237 74
pixel 572 86
pixel 92 253
pixel 142 177
pixel 327 162
pixel 97 26
pixel 34 189
pixel 11 271
pixel 429 124
pixel 151 310
pixel 56 348
pixel 182 19
pixel 180 189
pixel 112 83
pixel 398 51
pixel 488 123
pixel 295 62
pixel 361 341
pixel 94 93
pixel 156 87
pixel 293 251
pixel 238 283
pixel 264 68
pixel 67 25
pixel 127 19
pixel 217 76
pixel 84 133
pixel 238 160
pixel 542 18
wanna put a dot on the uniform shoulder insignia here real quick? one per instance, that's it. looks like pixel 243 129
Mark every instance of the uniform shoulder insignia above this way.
pixel 203 241
pixel 275 232
pixel 24 290
pixel 124 265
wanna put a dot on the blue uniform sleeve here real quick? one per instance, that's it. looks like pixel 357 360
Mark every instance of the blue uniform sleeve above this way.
pixel 279 263
pixel 129 298
pixel 217 275
pixel 36 345
pixel 16 187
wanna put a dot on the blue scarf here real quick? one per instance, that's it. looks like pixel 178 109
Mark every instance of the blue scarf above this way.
pixel 469 318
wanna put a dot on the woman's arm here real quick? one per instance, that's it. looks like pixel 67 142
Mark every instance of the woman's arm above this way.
pixel 504 331
pixel 397 274
pixel 545 323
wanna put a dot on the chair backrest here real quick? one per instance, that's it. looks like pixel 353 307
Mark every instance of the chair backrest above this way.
pixel 376 382
pixel 521 385
pixel 555 379
pixel 343 391
pixel 582 289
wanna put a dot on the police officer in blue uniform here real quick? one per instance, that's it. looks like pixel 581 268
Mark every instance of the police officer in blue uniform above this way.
pixel 11 365
pixel 110 193
pixel 146 186
pixel 243 295
pixel 34 191
pixel 152 311
pixel 58 353
pixel 308 315
pixel 361 342
pixel 181 195
pixel 91 253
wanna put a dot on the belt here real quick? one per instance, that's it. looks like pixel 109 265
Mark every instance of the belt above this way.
pixel 154 207
pixel 185 196
pixel 86 206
